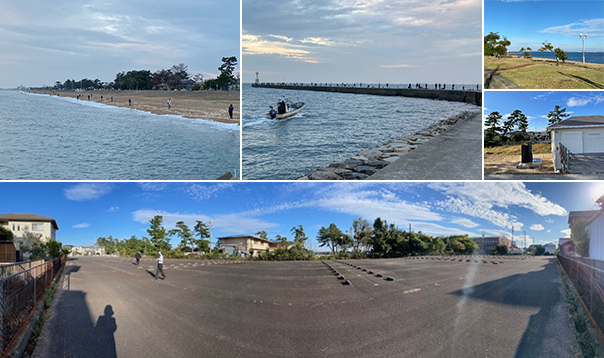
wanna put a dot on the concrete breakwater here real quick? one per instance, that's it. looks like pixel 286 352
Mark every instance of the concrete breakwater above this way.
pixel 368 162
pixel 473 97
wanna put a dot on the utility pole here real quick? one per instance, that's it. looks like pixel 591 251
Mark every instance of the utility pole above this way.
pixel 410 227
pixel 525 240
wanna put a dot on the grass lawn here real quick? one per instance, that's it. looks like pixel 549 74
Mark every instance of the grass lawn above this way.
pixel 504 159
pixel 542 73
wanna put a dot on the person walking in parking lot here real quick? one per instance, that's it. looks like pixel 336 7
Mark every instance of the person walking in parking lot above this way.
pixel 160 266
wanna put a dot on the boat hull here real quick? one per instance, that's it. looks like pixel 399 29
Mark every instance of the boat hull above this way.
pixel 286 115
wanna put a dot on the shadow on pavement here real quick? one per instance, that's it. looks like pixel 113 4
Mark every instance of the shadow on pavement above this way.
pixel 547 330
pixel 74 334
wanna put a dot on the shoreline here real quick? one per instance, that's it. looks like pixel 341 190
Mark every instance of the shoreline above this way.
pixel 204 105
pixel 370 161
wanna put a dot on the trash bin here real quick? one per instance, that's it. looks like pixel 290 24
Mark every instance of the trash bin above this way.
pixel 527 153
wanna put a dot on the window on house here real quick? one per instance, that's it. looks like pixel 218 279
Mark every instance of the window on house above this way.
pixel 37 227
pixel 18 227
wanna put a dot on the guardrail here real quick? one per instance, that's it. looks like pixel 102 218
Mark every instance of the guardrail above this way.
pixel 564 157
pixel 20 294
pixel 587 276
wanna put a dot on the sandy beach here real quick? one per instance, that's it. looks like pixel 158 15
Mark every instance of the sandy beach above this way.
pixel 211 105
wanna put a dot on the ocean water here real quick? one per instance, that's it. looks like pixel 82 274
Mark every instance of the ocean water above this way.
pixel 331 127
pixel 590 57
pixel 57 138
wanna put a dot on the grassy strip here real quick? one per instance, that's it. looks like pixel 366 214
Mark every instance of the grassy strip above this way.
pixel 47 300
pixel 546 75
pixel 585 337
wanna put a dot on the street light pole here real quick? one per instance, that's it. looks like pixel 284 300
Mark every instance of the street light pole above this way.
pixel 583 37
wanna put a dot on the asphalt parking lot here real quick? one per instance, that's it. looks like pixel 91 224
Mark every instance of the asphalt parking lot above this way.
pixel 430 307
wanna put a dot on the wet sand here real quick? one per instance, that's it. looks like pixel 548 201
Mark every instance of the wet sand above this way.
pixel 211 105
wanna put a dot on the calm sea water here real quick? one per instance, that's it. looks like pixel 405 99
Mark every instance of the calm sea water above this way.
pixel 590 57
pixel 55 138
pixel 331 127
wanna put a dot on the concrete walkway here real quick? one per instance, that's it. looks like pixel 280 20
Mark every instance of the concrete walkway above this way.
pixel 454 155
pixel 493 80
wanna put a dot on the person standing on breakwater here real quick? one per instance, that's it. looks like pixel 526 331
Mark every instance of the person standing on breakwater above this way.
pixel 231 108
pixel 169 103
pixel 129 102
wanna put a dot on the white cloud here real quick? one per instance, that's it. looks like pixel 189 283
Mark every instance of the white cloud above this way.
pixel 87 191
pixel 578 102
pixel 113 209
pixel 202 191
pixel 595 27
pixel 481 200
pixel 537 227
pixel 81 226
pixel 566 232
pixel 152 186
pixel 583 101
pixel 464 222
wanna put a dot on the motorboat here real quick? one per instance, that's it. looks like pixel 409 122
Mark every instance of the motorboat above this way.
pixel 285 109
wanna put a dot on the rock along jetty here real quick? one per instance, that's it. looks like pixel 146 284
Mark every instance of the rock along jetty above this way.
pixel 467 96
pixel 368 162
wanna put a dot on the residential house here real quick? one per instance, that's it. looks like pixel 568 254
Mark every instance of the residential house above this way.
pixel 579 134
pixel 87 251
pixel 550 247
pixel 566 246
pixel 246 244
pixel 19 224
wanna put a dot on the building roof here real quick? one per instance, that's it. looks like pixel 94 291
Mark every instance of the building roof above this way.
pixel 28 217
pixel 587 214
pixel 579 122
pixel 237 237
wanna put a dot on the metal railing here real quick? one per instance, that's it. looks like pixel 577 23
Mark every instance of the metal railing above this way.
pixel 11 269
pixel 20 294
pixel 564 157
pixel 587 276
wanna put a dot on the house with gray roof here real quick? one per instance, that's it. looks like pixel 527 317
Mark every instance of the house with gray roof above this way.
pixel 580 134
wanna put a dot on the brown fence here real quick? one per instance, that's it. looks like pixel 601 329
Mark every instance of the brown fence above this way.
pixel 587 276
pixel 11 269
pixel 20 294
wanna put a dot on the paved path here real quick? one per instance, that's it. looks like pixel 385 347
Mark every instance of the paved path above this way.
pixel 454 155
pixel 493 80
pixel 503 307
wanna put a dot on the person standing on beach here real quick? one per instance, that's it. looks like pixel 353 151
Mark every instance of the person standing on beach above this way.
pixel 169 103
pixel 231 108
pixel 129 102
pixel 160 266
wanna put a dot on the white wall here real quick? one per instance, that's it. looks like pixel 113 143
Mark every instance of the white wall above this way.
pixel 596 238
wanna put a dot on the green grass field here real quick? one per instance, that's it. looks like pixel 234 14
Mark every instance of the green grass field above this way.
pixel 544 74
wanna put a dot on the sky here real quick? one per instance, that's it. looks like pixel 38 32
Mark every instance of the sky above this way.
pixel 42 42
pixel 558 22
pixel 537 104
pixel 369 41
pixel 86 211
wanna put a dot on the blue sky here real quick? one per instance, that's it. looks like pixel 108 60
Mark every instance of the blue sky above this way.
pixel 558 22
pixel 537 104
pixel 396 41
pixel 46 41
pixel 86 211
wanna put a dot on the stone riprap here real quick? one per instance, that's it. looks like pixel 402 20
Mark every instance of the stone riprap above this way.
pixel 370 161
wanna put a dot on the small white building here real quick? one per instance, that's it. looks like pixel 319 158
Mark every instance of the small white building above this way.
pixel 580 134
pixel 596 237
